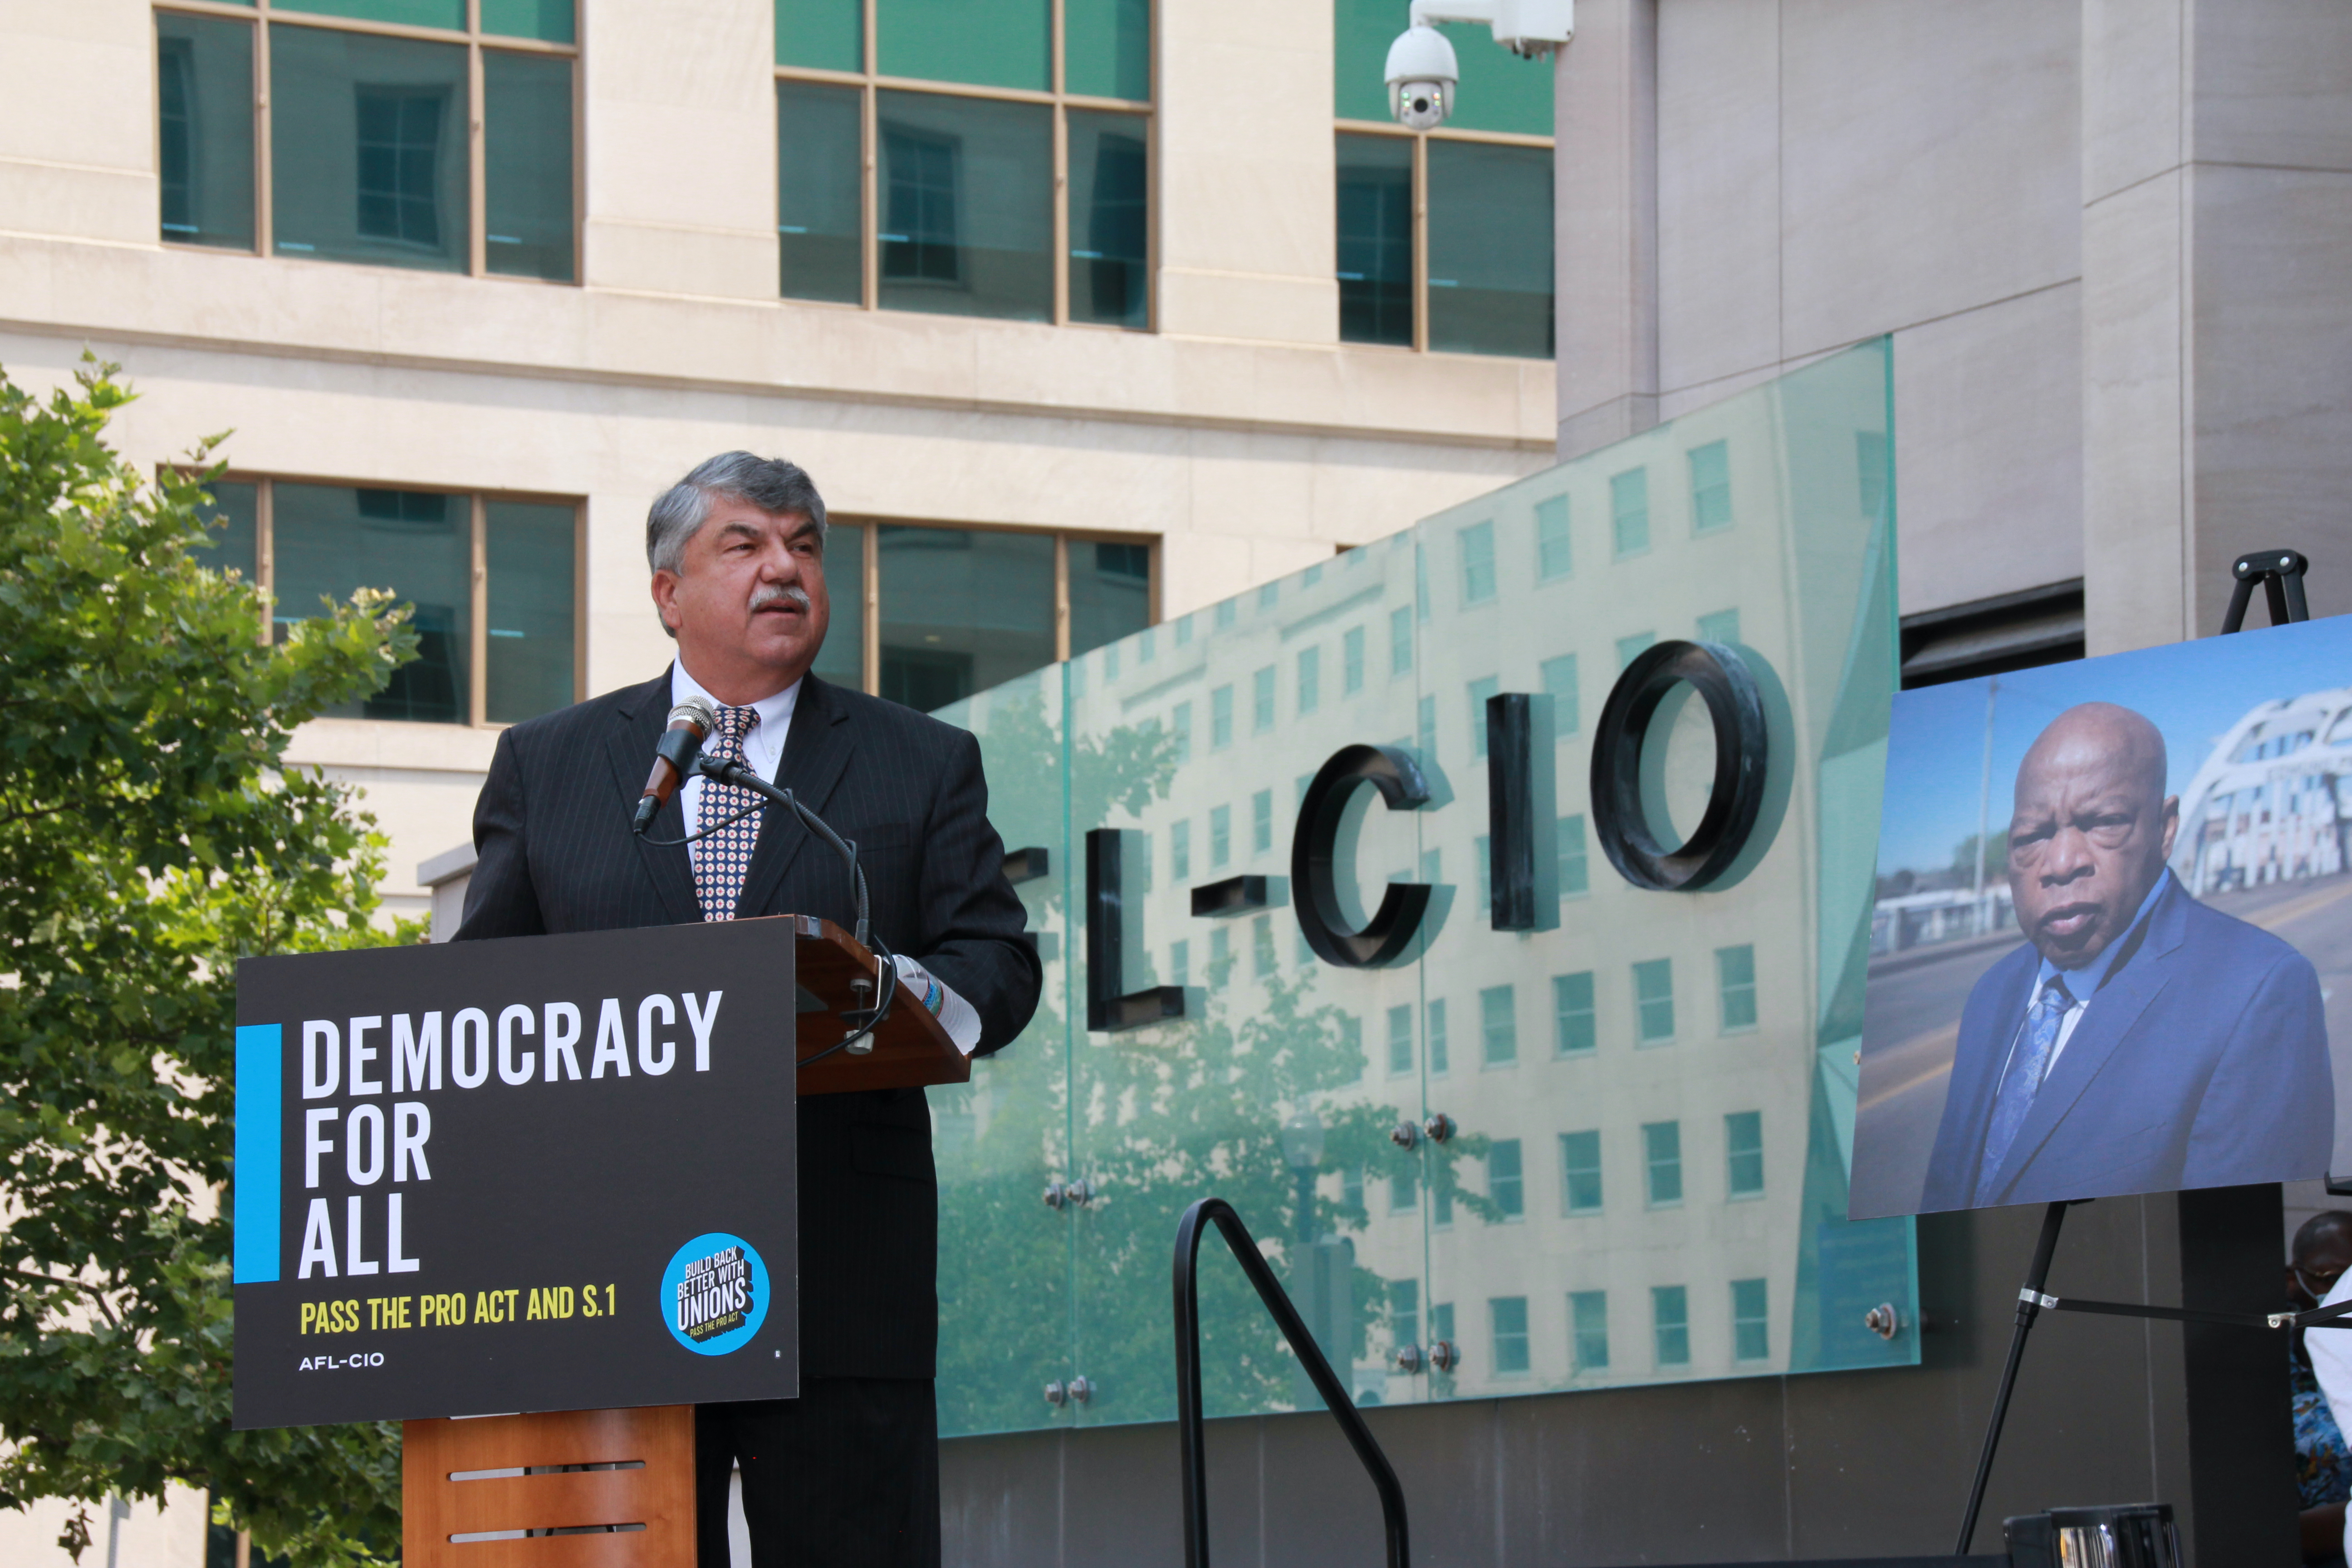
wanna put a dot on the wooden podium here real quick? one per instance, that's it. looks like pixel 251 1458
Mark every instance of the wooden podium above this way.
pixel 615 1488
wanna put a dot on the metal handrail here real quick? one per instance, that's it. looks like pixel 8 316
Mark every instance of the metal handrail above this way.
pixel 1188 1434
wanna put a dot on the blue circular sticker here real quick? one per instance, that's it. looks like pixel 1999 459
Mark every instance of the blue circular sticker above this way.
pixel 715 1294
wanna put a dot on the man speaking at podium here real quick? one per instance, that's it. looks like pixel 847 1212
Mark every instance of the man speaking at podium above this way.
pixel 849 1472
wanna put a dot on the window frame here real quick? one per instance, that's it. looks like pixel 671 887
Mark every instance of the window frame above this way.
pixel 871 82
pixel 478 615
pixel 1420 141
pixel 263 15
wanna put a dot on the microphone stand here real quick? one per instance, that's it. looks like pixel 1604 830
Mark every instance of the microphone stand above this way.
pixel 886 973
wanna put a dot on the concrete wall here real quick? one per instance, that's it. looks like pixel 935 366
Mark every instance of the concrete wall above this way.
pixel 1241 435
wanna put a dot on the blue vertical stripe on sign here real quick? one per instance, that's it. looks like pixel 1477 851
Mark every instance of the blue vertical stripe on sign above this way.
pixel 260 1071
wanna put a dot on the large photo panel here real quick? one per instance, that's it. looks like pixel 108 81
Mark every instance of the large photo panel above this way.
pixel 2111 947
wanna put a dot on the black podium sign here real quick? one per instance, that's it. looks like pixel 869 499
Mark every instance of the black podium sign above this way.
pixel 540 1174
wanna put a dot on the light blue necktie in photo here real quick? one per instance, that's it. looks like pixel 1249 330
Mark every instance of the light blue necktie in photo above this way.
pixel 725 854
pixel 2017 1083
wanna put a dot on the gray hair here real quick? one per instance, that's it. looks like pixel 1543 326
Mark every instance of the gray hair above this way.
pixel 771 484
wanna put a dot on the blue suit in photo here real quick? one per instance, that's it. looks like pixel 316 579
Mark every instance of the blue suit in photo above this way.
pixel 2201 1062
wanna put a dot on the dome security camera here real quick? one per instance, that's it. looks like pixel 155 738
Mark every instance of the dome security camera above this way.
pixel 1421 74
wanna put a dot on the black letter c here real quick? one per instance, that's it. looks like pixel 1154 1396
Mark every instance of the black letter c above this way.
pixel 1314 878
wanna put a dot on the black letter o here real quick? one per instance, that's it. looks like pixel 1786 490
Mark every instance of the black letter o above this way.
pixel 1733 702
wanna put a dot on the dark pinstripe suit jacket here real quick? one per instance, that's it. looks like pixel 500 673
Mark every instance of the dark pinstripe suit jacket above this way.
pixel 551 829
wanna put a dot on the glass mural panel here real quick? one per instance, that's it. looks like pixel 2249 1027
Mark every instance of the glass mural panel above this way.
pixel 1527 1231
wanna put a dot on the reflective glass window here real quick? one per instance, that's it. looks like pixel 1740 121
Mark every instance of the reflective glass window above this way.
pixel 1439 1058
pixel 1221 955
pixel 1481 689
pixel 1735 974
pixel 1499 1025
pixel 1575 1031
pixel 234 511
pixel 1261 700
pixel 448 13
pixel 1110 195
pixel 1508 1315
pixel 1180 963
pixel 1179 725
pixel 820 196
pixel 1400 641
pixel 1180 849
pixel 1404 1311
pixel 828 35
pixel 550 21
pixel 1722 626
pixel 1490 248
pixel 1404 1186
pixel 1441 1202
pixel 1221 718
pixel 842 659
pixel 1710 480
pixel 530 556
pixel 1425 712
pixel 1262 962
pixel 1653 1000
pixel 1751 1338
pixel 1262 822
pixel 1661 1162
pixel 1579 1172
pixel 1588 1324
pixel 527 164
pixel 1399 1041
pixel 1221 835
pixel 1004 44
pixel 327 541
pixel 1575 873
pixel 1506 1178
pixel 1743 1143
pixel 1629 510
pixel 1110 592
pixel 1106 47
pixel 1558 675
pixel 204 142
pixel 1477 543
pixel 1553 556
pixel 1310 679
pixel 1670 1324
pixel 1352 661
pixel 963 610
pixel 368 148
pixel 967 203
pixel 1375 241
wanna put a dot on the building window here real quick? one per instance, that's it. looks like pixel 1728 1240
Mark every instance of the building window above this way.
pixel 509 652
pixel 1480 690
pixel 1179 728
pixel 1588 1328
pixel 1261 702
pixel 1399 1041
pixel 1751 1336
pixel 374 139
pixel 1404 1312
pixel 1735 978
pixel 1560 686
pixel 1670 1324
pixel 1179 849
pixel 1261 822
pixel 1508 1315
pixel 1400 640
pixel 1653 1000
pixel 1352 661
pixel 1553 558
pixel 1722 626
pixel 1221 718
pixel 1633 647
pixel 960 218
pixel 1425 725
pixel 1180 963
pixel 1574 868
pixel 1743 1145
pixel 1575 1030
pixel 1579 1172
pixel 1404 1187
pixel 1505 1180
pixel 1662 1161
pixel 1710 479
pixel 1441 1200
pixel 1221 955
pixel 1629 512
pixel 1441 1321
pixel 1499 1025
pixel 1436 1035
pixel 1311 681
pixel 1262 958
pixel 1477 543
pixel 1221 835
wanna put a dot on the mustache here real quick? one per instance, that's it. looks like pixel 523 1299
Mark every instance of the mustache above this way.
pixel 792 594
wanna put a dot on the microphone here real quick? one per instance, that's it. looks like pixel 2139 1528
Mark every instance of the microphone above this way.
pixel 689 721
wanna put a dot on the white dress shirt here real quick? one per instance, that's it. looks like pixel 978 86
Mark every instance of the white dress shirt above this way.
pixel 763 748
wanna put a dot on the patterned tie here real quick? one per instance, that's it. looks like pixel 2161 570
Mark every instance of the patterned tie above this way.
pixel 2018 1084
pixel 725 854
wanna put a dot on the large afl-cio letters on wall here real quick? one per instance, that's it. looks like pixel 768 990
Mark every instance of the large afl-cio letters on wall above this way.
pixel 2111 950
pixel 543 1173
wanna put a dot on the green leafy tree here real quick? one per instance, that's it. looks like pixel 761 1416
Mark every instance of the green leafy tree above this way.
pixel 150 836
